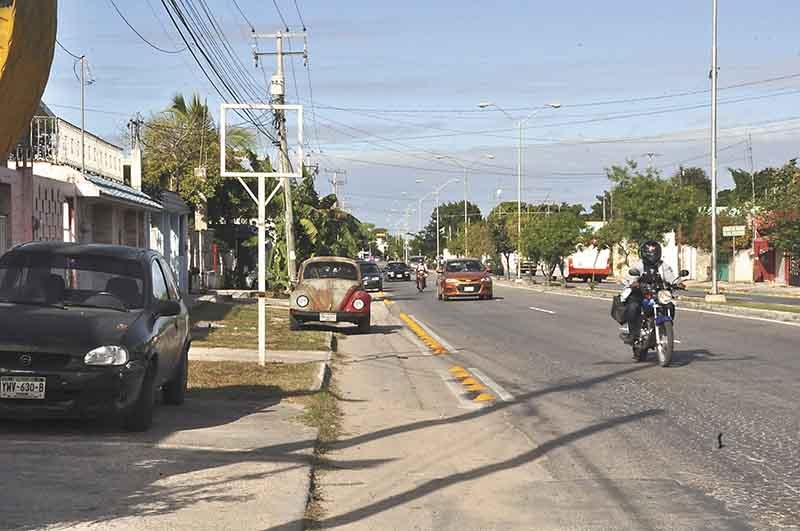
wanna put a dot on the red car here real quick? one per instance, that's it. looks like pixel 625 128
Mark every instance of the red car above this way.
pixel 464 277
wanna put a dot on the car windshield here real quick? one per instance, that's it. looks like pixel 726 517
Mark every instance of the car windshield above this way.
pixel 340 270
pixel 464 266
pixel 80 280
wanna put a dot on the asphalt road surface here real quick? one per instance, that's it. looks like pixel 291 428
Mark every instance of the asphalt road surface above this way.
pixel 645 436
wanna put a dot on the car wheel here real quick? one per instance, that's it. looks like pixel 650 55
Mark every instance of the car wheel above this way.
pixel 364 325
pixel 140 415
pixel 174 391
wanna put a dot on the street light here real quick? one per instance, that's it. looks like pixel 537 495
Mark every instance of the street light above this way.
pixel 466 168
pixel 436 195
pixel 520 125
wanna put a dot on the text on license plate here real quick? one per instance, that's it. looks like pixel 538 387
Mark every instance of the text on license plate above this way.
pixel 469 289
pixel 22 387
pixel 327 317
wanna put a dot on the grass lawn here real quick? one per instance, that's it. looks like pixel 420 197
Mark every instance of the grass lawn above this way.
pixel 235 325
pixel 233 380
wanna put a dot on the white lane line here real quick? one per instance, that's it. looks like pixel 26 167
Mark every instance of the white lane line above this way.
pixel 504 395
pixel 458 392
pixel 551 312
pixel 735 316
pixel 435 336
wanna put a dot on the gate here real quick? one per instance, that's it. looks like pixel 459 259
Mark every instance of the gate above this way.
pixel 794 271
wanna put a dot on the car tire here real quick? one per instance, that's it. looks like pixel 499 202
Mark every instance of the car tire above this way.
pixel 174 391
pixel 140 415
pixel 364 325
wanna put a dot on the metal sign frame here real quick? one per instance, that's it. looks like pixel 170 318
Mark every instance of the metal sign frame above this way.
pixel 223 172
pixel 733 231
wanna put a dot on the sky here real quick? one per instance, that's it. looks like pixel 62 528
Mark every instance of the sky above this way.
pixel 391 90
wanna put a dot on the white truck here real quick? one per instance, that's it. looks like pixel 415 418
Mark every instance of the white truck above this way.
pixel 587 263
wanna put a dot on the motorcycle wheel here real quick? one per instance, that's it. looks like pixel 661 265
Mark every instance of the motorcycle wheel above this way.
pixel 664 349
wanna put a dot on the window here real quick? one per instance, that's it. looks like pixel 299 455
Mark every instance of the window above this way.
pixel 172 285
pixel 160 292
pixel 464 266
pixel 342 270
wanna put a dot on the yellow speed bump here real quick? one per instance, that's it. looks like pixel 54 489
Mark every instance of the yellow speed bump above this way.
pixel 469 381
pixel 426 338
pixel 454 369
pixel 483 397
pixel 476 388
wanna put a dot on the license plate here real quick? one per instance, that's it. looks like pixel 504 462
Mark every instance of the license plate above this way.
pixel 327 317
pixel 31 388
pixel 469 289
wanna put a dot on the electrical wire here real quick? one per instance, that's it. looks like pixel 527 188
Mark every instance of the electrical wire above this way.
pixel 155 47
pixel 247 20
pixel 78 57
pixel 280 15
pixel 297 8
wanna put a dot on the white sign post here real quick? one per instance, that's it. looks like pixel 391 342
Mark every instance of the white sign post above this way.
pixel 262 201
pixel 732 231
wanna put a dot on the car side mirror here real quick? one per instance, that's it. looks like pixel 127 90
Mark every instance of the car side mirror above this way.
pixel 167 308
pixel 684 272
pixel 634 272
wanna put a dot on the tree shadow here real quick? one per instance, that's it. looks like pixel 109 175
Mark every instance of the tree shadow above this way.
pixel 90 474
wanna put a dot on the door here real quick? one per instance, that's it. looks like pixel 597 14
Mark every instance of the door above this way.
pixel 165 328
pixel 182 320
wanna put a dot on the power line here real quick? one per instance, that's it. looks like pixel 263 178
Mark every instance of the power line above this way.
pixel 155 47
pixel 78 57
pixel 280 15
pixel 297 8
pixel 247 20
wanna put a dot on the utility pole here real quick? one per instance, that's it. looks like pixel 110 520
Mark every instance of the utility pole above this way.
pixel 715 294
pixel 83 115
pixel 604 207
pixel 277 96
pixel 336 184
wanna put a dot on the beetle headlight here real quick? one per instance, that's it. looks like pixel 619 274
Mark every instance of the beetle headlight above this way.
pixel 664 297
pixel 107 355
pixel 302 301
pixel 358 304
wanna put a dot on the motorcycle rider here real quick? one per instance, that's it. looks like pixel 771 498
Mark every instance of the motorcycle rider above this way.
pixel 650 260
pixel 421 274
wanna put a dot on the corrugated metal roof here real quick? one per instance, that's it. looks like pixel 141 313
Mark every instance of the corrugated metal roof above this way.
pixel 123 192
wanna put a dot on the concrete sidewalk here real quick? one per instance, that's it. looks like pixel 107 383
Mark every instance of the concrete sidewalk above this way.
pixel 759 288
pixel 207 465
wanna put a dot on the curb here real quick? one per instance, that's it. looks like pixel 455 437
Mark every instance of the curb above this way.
pixel 323 377
pixel 689 303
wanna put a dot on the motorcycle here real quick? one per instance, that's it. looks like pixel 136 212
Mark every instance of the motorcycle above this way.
pixel 657 315
pixel 422 279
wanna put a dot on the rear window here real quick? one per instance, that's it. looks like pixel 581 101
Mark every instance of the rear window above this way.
pixel 70 279
pixel 464 266
pixel 369 269
pixel 340 270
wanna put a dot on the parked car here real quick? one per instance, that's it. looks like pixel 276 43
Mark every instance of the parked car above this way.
pixel 398 271
pixel 463 277
pixel 371 276
pixel 89 331
pixel 330 290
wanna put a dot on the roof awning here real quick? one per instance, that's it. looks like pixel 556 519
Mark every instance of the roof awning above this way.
pixel 124 193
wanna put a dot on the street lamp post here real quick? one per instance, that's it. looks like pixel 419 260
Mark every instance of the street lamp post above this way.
pixel 520 126
pixel 466 168
pixel 436 195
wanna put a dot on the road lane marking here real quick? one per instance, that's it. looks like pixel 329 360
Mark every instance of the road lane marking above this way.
pixel 504 395
pixel 448 347
pixel 423 334
pixel 551 312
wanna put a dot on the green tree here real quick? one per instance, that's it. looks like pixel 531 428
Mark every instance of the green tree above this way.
pixel 780 208
pixel 549 238
pixel 451 221
pixel 647 206
pixel 502 225
pixel 481 242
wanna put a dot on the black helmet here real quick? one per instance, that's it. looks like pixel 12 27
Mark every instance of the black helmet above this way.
pixel 650 252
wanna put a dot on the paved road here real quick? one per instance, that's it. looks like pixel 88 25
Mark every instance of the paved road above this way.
pixel 562 360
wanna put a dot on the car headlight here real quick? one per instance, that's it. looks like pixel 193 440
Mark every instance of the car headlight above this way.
pixel 358 304
pixel 302 301
pixel 376 278
pixel 664 296
pixel 107 355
